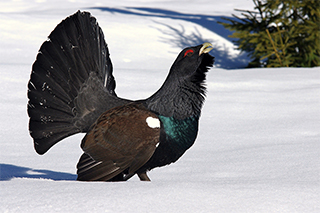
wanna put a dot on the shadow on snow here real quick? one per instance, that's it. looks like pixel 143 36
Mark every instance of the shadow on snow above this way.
pixel 180 38
pixel 206 21
pixel 223 58
pixel 8 172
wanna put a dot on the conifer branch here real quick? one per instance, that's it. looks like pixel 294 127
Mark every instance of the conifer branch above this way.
pixel 274 47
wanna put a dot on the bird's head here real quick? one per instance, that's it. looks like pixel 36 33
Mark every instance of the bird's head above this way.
pixel 193 62
pixel 183 91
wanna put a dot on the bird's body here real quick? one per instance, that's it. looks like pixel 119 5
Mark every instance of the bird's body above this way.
pixel 72 90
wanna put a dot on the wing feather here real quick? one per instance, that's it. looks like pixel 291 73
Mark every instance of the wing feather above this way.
pixel 120 140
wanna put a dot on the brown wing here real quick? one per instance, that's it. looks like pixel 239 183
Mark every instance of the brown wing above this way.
pixel 120 139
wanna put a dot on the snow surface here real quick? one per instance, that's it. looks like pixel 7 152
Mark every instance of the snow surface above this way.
pixel 258 147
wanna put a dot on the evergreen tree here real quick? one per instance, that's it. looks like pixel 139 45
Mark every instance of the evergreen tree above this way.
pixel 279 33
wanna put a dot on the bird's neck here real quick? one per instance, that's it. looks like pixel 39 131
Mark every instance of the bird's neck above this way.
pixel 177 99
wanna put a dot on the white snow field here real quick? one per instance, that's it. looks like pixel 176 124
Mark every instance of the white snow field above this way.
pixel 258 149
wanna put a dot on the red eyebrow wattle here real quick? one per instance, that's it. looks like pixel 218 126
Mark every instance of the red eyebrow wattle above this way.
pixel 188 51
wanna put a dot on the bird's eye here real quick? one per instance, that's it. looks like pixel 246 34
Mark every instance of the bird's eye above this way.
pixel 188 53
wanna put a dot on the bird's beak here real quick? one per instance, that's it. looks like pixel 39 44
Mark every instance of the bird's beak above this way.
pixel 206 47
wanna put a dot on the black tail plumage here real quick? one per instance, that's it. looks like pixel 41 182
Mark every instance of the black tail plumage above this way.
pixel 71 82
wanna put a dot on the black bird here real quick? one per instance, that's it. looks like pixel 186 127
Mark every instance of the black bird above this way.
pixel 72 90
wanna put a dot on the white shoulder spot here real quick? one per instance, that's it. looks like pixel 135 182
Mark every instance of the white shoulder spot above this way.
pixel 153 122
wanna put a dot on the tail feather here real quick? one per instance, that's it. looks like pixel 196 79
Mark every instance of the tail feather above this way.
pixel 45 79
pixel 54 106
pixel 71 82
pixel 47 137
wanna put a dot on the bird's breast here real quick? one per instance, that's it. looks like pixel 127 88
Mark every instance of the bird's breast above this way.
pixel 180 133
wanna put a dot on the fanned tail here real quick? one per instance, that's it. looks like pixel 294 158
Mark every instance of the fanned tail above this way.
pixel 71 82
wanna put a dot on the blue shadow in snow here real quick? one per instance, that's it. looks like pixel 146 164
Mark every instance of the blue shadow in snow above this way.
pixel 8 172
pixel 180 38
pixel 206 21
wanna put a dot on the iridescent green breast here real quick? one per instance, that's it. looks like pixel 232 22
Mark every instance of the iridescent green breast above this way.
pixel 180 133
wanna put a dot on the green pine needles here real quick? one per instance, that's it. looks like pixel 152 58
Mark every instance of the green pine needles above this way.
pixel 279 33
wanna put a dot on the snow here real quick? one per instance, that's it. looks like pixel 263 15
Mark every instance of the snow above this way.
pixel 258 147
